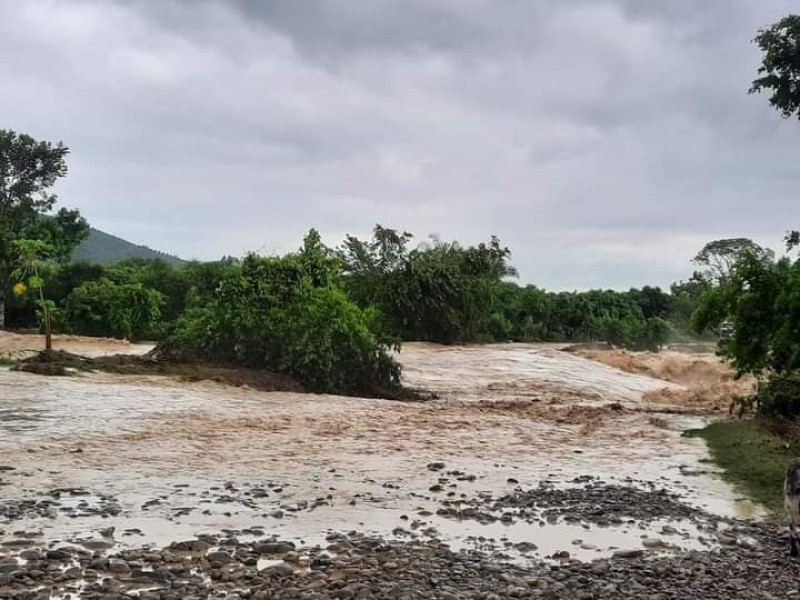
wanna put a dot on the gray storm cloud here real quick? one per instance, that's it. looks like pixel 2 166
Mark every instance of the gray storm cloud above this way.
pixel 604 141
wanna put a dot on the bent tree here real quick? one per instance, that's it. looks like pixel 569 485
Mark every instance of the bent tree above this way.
pixel 28 170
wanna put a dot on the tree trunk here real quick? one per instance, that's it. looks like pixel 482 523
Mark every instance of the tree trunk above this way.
pixel 4 278
pixel 48 331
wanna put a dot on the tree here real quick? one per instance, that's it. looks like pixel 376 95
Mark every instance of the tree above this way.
pixel 28 171
pixel 780 67
pixel 761 302
pixel 717 258
pixel 289 315
pixel 106 308
pixel 780 70
pixel 32 253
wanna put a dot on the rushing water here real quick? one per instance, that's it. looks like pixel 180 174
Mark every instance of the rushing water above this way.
pixel 179 458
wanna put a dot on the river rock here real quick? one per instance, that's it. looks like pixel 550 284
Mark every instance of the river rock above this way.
pixel 274 547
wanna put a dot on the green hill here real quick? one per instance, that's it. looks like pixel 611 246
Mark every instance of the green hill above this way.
pixel 104 249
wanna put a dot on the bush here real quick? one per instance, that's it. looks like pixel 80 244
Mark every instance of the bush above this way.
pixel 290 316
pixel 779 396
pixel 104 308
pixel 635 334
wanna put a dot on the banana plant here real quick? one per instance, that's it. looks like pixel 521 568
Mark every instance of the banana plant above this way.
pixel 31 254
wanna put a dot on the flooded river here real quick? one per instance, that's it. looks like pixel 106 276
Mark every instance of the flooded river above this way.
pixel 161 460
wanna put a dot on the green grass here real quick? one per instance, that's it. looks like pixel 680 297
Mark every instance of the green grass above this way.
pixel 754 454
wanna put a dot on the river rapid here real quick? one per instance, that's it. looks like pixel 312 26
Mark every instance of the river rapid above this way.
pixel 161 460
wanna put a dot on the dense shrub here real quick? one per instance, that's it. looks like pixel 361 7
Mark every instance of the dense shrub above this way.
pixel 635 334
pixel 779 395
pixel 289 315
pixel 105 308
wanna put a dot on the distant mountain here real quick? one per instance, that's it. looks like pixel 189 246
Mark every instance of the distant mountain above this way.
pixel 104 248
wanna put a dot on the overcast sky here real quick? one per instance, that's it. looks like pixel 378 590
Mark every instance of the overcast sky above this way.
pixel 604 141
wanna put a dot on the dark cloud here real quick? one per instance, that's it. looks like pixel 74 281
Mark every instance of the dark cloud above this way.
pixel 604 140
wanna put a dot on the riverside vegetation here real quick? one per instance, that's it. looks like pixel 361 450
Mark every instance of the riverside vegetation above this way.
pixel 328 317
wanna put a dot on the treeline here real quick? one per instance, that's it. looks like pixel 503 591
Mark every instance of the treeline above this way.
pixel 435 291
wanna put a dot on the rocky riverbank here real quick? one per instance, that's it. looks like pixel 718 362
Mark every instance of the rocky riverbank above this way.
pixel 359 567
pixel 744 560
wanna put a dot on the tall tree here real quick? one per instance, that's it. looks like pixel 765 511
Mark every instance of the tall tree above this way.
pixel 780 66
pixel 28 171
pixel 717 258
pixel 780 73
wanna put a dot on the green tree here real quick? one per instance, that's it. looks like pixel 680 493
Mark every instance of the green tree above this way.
pixel 290 315
pixel 780 66
pixel 684 299
pixel 28 171
pixel 31 254
pixel 172 282
pixel 106 308
pixel 761 302
pixel 439 291
pixel 716 258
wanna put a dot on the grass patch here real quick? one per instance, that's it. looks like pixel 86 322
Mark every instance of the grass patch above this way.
pixel 7 361
pixel 754 454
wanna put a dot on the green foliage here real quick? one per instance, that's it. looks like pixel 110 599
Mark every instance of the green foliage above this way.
pixel 718 257
pixel 106 308
pixel 780 67
pixel 779 396
pixel 759 302
pixel 30 255
pixel 289 315
pixel 749 300
pixel 62 232
pixel 684 299
pixel 636 334
pixel 28 171
pixel 172 283
pixel 446 293
pixel 438 291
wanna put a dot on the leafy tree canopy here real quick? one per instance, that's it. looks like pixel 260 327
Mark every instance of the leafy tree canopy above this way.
pixel 780 67
pixel 718 257
pixel 28 171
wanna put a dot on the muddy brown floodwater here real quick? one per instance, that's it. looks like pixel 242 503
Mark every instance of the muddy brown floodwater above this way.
pixel 162 460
